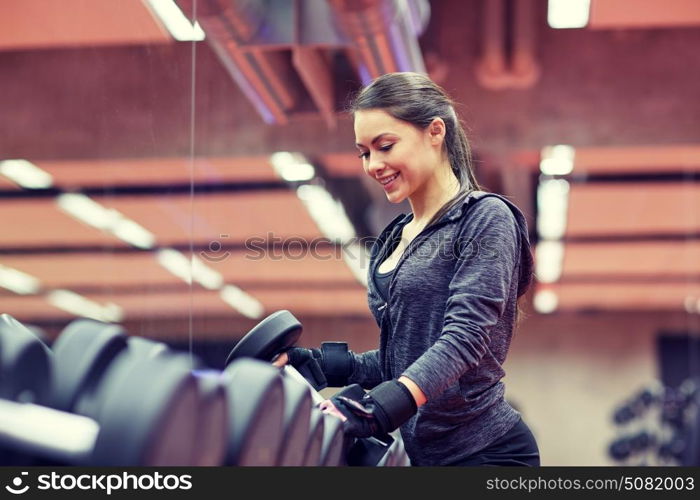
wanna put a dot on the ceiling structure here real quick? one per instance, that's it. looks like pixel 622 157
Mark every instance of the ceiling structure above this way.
pixel 632 231
pixel 166 134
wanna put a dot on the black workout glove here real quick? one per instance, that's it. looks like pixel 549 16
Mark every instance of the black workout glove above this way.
pixel 379 412
pixel 331 365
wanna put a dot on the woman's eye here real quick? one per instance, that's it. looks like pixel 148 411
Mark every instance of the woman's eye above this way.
pixel 385 148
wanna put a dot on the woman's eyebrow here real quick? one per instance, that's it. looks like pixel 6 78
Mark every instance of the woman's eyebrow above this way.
pixel 357 144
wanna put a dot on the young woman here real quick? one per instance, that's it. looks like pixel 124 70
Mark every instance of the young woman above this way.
pixel 444 282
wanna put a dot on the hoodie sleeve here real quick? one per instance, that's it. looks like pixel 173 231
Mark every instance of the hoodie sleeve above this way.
pixel 489 251
pixel 366 369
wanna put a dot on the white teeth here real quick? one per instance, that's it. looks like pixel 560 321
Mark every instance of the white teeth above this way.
pixel 387 181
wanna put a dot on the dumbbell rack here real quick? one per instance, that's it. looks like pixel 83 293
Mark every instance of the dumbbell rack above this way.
pixel 102 397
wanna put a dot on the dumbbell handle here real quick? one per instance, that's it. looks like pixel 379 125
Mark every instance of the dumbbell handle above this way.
pixel 47 432
pixel 293 373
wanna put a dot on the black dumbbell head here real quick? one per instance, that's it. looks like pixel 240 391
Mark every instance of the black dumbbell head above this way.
pixel 312 455
pixel 82 354
pixel 150 413
pixel 25 364
pixel 146 348
pixel 272 336
pixel 213 421
pixel 256 410
pixel 297 421
pixel 334 442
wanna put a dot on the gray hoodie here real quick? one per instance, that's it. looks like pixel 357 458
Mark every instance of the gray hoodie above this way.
pixel 448 323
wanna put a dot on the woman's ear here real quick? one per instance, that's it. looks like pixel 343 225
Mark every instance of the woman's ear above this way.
pixel 436 131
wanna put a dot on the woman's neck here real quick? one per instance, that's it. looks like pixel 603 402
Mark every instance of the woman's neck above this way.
pixel 436 191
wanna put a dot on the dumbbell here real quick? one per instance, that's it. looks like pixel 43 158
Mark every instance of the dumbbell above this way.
pixel 267 339
pixel 25 367
pixel 228 427
pixel 83 356
pixel 630 445
pixel 637 405
pixel 314 445
pixel 311 437
pixel 213 419
pixel 691 457
pixel 25 374
pixel 296 424
pixel 253 399
pixel 146 418
pixel 278 333
pixel 256 403
pixel 158 402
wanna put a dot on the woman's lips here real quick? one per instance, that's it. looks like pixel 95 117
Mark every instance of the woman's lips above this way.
pixel 388 185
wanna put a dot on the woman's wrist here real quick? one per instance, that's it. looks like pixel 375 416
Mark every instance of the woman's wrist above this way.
pixel 415 391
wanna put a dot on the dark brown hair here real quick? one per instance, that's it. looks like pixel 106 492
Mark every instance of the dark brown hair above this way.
pixel 416 99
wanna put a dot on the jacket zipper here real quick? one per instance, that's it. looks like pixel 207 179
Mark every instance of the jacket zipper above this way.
pixel 385 307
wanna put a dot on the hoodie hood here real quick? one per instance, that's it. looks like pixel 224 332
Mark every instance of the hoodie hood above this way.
pixel 459 210
pixel 527 263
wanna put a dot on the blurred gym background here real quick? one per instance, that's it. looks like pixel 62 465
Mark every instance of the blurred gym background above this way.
pixel 185 180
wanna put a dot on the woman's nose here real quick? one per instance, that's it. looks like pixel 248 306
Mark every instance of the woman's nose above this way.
pixel 374 166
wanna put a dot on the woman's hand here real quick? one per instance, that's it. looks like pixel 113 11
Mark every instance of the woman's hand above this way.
pixel 378 412
pixel 329 408
pixel 280 360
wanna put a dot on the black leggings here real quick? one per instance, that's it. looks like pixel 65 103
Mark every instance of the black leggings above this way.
pixel 517 447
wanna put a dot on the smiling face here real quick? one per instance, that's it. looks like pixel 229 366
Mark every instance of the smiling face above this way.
pixel 401 157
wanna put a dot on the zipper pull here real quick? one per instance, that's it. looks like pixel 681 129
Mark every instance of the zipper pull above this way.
pixel 381 308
